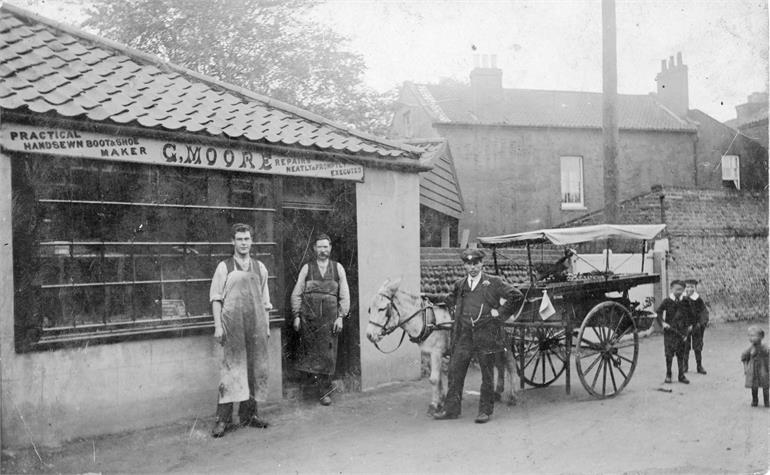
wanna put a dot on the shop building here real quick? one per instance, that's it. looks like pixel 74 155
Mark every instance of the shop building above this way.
pixel 121 175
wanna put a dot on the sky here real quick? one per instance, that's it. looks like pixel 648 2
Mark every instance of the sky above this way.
pixel 549 44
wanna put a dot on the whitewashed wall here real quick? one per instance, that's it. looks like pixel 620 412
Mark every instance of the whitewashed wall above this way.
pixel 388 214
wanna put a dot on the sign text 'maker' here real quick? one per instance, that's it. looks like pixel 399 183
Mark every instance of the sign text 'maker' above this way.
pixel 75 143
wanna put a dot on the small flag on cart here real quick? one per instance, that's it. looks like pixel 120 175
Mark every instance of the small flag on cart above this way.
pixel 546 307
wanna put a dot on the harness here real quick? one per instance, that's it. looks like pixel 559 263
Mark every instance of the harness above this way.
pixel 428 326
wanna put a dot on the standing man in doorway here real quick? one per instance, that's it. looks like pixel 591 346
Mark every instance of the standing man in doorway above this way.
pixel 478 317
pixel 320 301
pixel 240 302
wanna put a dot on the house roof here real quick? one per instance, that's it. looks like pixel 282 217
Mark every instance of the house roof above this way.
pixel 439 188
pixel 50 68
pixel 453 103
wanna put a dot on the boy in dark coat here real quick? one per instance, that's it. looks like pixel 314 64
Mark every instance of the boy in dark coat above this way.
pixel 675 316
pixel 701 319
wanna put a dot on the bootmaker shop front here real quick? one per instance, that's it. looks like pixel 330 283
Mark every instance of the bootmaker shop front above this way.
pixel 118 195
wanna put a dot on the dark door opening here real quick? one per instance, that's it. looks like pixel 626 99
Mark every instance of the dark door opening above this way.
pixel 312 207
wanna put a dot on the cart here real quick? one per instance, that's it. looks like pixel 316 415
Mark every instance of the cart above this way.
pixel 591 314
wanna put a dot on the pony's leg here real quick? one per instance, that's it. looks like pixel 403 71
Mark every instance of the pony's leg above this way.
pixel 500 366
pixel 435 381
pixel 510 368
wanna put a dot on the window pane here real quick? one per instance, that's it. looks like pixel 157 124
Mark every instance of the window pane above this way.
pixel 84 176
pixel 86 224
pixel 571 180
pixel 147 301
pixel 198 298
pixel 54 221
pixel 128 183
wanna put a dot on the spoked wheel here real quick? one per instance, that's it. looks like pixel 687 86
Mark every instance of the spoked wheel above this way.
pixel 545 355
pixel 607 349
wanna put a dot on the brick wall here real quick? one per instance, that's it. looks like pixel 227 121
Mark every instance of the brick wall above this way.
pixel 716 236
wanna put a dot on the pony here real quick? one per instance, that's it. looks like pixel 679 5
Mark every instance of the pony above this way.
pixel 429 326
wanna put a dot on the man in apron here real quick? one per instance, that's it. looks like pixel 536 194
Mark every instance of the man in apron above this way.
pixel 240 303
pixel 319 302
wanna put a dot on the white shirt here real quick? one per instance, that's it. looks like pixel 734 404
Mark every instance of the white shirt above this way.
pixel 473 282
pixel 220 277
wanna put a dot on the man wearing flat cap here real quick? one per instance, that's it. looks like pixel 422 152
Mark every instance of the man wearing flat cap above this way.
pixel 477 329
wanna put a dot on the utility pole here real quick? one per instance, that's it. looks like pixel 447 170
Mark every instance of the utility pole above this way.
pixel 610 111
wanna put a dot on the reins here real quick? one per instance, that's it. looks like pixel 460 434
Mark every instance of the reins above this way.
pixel 427 327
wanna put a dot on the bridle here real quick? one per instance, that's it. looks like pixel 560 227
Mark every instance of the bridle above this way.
pixel 391 309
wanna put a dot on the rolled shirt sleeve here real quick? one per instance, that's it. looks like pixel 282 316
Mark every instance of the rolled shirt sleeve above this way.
pixel 264 277
pixel 344 299
pixel 299 289
pixel 218 283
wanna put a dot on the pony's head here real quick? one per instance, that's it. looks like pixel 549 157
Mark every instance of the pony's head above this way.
pixel 382 314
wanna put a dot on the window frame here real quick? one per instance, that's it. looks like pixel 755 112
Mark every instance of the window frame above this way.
pixel 565 205
pixel 54 249
pixel 733 163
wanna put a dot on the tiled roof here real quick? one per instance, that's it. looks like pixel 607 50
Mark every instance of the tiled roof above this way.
pixel 440 267
pixel 540 108
pixel 439 188
pixel 46 67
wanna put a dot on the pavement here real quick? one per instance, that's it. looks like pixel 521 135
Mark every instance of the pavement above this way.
pixel 705 427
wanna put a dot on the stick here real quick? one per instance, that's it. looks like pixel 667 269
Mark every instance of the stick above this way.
pixel 193 428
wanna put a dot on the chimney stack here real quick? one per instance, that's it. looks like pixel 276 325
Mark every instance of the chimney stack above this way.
pixel 673 89
pixel 486 86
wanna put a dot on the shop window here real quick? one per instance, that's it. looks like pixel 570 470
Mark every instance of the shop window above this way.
pixel 572 183
pixel 107 250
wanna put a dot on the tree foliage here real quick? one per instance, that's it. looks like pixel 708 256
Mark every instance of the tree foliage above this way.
pixel 268 46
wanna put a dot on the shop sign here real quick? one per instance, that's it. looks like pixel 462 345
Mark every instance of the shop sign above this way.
pixel 75 143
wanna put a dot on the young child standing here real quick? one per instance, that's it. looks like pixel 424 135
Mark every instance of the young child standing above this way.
pixel 700 314
pixel 756 366
pixel 675 316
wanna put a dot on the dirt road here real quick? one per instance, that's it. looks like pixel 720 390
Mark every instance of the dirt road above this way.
pixel 704 427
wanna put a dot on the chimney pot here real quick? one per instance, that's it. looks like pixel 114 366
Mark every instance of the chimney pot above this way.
pixel 663 65
pixel 679 58
pixel 671 62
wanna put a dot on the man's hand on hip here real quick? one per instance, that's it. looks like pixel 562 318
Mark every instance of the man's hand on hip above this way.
pixel 296 324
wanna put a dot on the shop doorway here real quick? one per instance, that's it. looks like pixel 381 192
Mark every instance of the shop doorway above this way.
pixel 311 207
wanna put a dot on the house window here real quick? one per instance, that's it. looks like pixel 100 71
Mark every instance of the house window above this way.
pixel 572 183
pixel 731 170
pixel 109 250
pixel 407 117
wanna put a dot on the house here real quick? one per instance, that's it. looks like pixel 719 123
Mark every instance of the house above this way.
pixel 121 174
pixel 529 159
pixel 751 118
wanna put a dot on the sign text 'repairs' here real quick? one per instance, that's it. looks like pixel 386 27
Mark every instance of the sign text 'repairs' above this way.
pixel 75 143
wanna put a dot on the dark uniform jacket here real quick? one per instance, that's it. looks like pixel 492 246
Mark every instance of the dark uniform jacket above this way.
pixel 473 312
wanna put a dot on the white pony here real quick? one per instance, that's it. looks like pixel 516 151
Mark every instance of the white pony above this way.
pixel 427 325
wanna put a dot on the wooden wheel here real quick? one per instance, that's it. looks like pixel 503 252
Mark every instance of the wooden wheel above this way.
pixel 544 355
pixel 607 349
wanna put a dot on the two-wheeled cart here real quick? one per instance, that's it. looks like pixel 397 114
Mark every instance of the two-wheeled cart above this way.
pixel 589 315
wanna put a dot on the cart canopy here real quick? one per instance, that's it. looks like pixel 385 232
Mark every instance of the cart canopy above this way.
pixel 565 236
